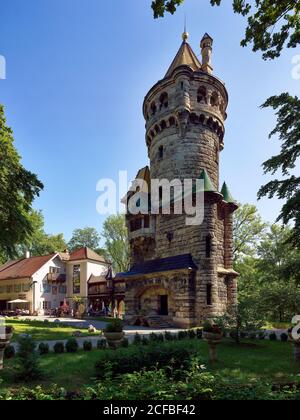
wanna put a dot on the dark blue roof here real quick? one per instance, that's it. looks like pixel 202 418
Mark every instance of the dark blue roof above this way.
pixel 177 262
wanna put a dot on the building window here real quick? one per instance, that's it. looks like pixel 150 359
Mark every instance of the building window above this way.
pixel 136 224
pixel 25 287
pixel 62 290
pixel 76 279
pixel 46 305
pixel 17 288
pixel 202 95
pixel 146 222
pixel 46 288
pixel 208 294
pixel 9 289
pixel 161 152
pixel 164 100
pixel 54 290
pixel 2 289
pixel 54 270
pixel 208 246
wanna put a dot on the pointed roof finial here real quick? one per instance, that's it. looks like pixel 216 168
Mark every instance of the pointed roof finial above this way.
pixel 185 35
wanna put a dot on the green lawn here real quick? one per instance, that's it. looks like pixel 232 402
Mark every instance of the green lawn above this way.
pixel 272 361
pixel 41 331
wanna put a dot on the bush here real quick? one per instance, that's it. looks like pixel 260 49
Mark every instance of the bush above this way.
pixel 252 336
pixel 145 341
pixel 101 344
pixel 262 335
pixel 182 335
pixel 137 341
pixel 87 345
pixel 71 345
pixel 192 334
pixel 243 335
pixel 46 321
pixel 167 356
pixel 169 336
pixel 125 343
pixel 59 347
pixel 116 325
pixel 43 348
pixel 284 337
pixel 9 352
pixel 273 336
pixel 199 333
pixel 28 368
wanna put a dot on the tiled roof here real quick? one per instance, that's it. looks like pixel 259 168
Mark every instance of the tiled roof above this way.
pixel 86 254
pixel 178 262
pixel 23 268
pixel 185 57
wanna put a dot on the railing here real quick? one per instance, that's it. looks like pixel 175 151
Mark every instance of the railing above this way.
pixel 59 277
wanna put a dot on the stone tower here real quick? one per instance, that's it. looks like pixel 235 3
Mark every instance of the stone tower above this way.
pixel 183 274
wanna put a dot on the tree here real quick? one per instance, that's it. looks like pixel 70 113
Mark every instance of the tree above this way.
pixel 272 25
pixel 39 242
pixel 86 237
pixel 288 129
pixel 248 229
pixel 263 17
pixel 116 242
pixel 18 189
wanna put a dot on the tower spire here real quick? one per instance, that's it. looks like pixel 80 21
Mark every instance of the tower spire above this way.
pixel 185 34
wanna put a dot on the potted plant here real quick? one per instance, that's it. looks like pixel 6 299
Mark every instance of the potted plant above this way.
pixel 5 338
pixel 114 333
pixel 212 333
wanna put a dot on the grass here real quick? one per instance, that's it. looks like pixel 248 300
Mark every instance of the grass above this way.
pixel 41 331
pixel 265 360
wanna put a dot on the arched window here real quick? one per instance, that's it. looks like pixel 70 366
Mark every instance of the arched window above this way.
pixel 214 100
pixel 210 122
pixel 202 95
pixel 172 122
pixel 156 129
pixel 163 100
pixel 194 119
pixel 153 108
pixel 163 125
pixel 161 152
pixel 208 246
pixel 202 119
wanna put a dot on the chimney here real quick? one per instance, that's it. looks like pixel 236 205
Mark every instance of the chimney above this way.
pixel 27 255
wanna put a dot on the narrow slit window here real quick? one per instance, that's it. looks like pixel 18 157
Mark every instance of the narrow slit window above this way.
pixel 161 152
pixel 208 247
pixel 208 294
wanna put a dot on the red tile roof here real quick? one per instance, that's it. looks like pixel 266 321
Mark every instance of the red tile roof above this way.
pixel 23 268
pixel 86 254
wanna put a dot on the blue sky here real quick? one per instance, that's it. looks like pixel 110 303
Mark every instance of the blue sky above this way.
pixel 77 73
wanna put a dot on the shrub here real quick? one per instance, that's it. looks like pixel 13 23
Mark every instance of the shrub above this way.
pixel 27 359
pixel 167 356
pixel 43 348
pixel 59 347
pixel 262 335
pixel 125 343
pixel 9 352
pixel 46 321
pixel 243 335
pixel 87 345
pixel 116 325
pixel 182 335
pixel 284 337
pixel 252 336
pixel 71 345
pixel 273 336
pixel 137 341
pixel 145 341
pixel 192 334
pixel 9 329
pixel 199 333
pixel 169 336
pixel 101 344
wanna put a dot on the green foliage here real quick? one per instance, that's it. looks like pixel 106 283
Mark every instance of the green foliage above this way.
pixel 137 341
pixel 288 188
pixel 272 24
pixel 59 347
pixel 248 230
pixel 43 348
pixel 9 352
pixel 86 237
pixel 116 325
pixel 87 345
pixel 168 356
pixel 19 188
pixel 116 242
pixel 71 345
pixel 101 344
pixel 28 368
pixel 273 336
pixel 125 343
pixel 284 337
